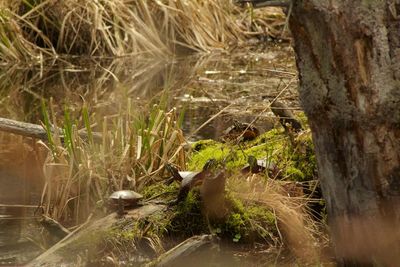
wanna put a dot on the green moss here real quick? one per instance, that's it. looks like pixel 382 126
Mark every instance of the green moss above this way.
pixel 303 159
pixel 233 156
pixel 182 220
pixel 133 237
pixel 263 222
pixel 261 214
pixel 122 236
pixel 236 225
pixel 247 223
pixel 244 223
pixel 294 174
pixel 266 137
pixel 302 118
pixel 295 160
pixel 187 219
pixel 155 190
pixel 209 150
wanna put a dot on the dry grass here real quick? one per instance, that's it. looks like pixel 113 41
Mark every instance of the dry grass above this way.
pixel 297 229
pixel 100 85
pixel 31 30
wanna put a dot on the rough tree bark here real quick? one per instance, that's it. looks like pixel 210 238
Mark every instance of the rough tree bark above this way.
pixel 348 57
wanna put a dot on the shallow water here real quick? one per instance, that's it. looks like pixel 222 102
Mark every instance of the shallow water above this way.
pixel 21 181
pixel 237 86
pixel 242 83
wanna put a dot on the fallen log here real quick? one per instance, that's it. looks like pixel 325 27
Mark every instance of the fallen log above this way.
pixel 180 253
pixel 20 206
pixel 64 253
pixel 23 128
pixel 35 130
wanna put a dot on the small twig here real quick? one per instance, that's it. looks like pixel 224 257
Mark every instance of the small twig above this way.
pixel 265 3
pixel 209 120
pixel 19 206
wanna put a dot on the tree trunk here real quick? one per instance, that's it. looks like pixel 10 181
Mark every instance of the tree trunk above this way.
pixel 348 57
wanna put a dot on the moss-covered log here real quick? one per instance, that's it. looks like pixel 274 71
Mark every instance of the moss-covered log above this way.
pixel 72 248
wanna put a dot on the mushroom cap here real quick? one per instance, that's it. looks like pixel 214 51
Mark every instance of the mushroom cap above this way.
pixel 126 195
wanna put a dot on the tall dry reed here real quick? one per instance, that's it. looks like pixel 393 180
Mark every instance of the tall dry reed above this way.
pixel 35 29
pixel 129 153
pixel 91 28
pixel 298 230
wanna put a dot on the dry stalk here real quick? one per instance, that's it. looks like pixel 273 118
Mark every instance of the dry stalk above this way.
pixel 30 30
pixel 296 225
pixel 79 173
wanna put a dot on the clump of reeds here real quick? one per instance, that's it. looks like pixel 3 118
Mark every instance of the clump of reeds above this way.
pixel 128 153
pixel 33 29
pixel 296 227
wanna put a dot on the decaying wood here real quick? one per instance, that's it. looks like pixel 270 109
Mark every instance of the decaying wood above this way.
pixel 34 130
pixel 64 252
pixel 183 251
pixel 23 128
pixel 348 57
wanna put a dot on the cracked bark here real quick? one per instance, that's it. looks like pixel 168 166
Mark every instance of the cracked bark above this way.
pixel 348 57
